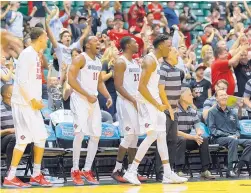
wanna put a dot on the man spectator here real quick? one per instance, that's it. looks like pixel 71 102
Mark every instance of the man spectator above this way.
pixel 222 68
pixel 118 25
pixel 211 35
pixel 155 8
pixel 136 16
pixel 201 88
pixel 170 90
pixel 247 97
pixel 225 130
pixel 88 12
pixel 243 73
pixel 188 120
pixel 109 24
pixel 171 15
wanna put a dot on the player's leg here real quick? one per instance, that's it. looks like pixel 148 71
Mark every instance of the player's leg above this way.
pixel 131 174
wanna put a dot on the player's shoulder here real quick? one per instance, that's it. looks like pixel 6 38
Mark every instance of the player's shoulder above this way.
pixel 79 59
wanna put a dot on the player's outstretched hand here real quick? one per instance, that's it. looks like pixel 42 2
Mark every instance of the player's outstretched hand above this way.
pixel 162 108
pixel 92 98
pixel 37 105
pixel 109 103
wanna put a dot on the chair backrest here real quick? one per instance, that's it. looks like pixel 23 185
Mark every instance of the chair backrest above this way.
pixel 109 132
pixel 204 128
pixel 51 134
pixel 46 113
pixel 245 126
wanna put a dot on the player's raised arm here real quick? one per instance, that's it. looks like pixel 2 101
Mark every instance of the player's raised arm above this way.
pixel 119 69
pixel 148 66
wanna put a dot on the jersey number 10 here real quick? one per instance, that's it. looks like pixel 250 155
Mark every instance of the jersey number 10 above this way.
pixel 95 76
pixel 136 77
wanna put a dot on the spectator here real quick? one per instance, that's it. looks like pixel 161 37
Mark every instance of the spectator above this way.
pixel 222 27
pixel 39 16
pixel 118 25
pixel 14 19
pixel 225 130
pixel 56 22
pixel 108 60
pixel 63 50
pixel 214 17
pixel 230 38
pixel 7 75
pixel 185 28
pixel 4 10
pixel 171 15
pixel 243 73
pixel 222 67
pixel 211 36
pixel 191 18
pixel 187 120
pixel 87 11
pixel 237 16
pixel 247 97
pixel 27 41
pixel 201 88
pixel 107 12
pixel 109 24
pixel 136 16
pixel 66 10
pixel 154 34
pixel 155 8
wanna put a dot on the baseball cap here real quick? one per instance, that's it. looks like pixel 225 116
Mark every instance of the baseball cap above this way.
pixel 200 67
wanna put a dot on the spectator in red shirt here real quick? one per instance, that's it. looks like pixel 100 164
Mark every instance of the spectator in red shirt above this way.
pixel 156 9
pixel 211 35
pixel 222 67
pixel 136 16
pixel 119 24
pixel 67 10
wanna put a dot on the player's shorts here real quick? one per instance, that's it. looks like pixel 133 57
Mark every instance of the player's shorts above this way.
pixel 128 117
pixel 29 124
pixel 150 117
pixel 86 116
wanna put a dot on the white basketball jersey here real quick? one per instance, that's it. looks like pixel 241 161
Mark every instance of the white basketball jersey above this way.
pixel 153 84
pixel 89 75
pixel 131 76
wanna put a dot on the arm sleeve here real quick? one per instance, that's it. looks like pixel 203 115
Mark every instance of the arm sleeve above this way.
pixel 26 18
pixel 8 17
pixel 212 126
pixel 222 65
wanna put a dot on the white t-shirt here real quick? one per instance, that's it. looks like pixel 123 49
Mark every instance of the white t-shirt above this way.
pixel 104 15
pixel 29 76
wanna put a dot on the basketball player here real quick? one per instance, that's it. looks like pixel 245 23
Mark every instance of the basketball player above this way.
pixel 85 78
pixel 26 104
pixel 153 117
pixel 126 79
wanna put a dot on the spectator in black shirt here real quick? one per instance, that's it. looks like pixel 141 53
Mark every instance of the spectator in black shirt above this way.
pixel 201 87
pixel 108 59
pixel 110 25
pixel 243 73
pixel 88 11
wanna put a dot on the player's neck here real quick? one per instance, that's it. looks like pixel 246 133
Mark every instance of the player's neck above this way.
pixel 157 53
pixel 128 56
pixel 91 55
pixel 36 47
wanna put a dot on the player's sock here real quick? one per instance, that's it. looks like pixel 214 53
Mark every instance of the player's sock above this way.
pixel 118 166
pixel 134 166
pixel 92 150
pixel 167 169
pixel 77 143
pixel 12 173
pixel 36 170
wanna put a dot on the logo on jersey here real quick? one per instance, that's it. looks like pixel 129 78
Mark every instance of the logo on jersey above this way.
pixel 22 137
pixel 39 70
pixel 127 128
pixel 93 67
pixel 147 125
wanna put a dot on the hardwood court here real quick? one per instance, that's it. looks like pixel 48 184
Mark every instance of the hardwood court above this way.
pixel 237 186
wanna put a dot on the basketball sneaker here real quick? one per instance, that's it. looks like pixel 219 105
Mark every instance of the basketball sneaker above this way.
pixel 132 177
pixel 173 178
pixel 76 177
pixel 88 176
pixel 15 183
pixel 40 181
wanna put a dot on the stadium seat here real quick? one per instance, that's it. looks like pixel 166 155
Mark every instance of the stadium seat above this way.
pixel 245 129
pixel 46 114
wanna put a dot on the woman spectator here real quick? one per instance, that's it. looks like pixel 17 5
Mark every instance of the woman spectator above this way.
pixel 7 75
pixel 108 59
pixel 214 17
pixel 191 18
pixel 238 16
pixel 136 16
pixel 207 57
pixel 156 9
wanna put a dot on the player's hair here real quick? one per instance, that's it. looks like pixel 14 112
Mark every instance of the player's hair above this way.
pixel 159 39
pixel 36 32
pixel 124 41
pixel 4 88
pixel 39 25
pixel 77 50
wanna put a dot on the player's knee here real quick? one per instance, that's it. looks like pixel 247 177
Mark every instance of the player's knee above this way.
pixel 21 147
pixel 134 142
pixel 152 136
pixel 94 139
pixel 126 142
pixel 41 144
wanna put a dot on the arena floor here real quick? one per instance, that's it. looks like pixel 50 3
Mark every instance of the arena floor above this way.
pixel 233 186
